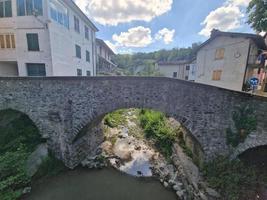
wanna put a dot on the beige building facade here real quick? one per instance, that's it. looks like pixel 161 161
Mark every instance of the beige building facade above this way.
pixel 176 69
pixel 229 60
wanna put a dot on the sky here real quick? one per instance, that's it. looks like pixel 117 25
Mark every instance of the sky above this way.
pixel 130 26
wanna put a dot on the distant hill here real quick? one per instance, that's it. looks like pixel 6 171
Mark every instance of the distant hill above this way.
pixel 144 63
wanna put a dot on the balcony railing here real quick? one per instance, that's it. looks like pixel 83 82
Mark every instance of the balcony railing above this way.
pixel 253 60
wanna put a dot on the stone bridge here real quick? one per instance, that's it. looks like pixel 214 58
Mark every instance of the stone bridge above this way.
pixel 62 106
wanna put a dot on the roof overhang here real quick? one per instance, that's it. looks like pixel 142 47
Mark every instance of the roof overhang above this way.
pixel 259 40
pixel 73 5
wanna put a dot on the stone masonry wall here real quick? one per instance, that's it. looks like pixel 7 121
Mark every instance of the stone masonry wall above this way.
pixel 62 106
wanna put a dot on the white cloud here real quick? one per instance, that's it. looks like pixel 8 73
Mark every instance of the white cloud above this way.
pixel 166 35
pixel 238 2
pixel 114 12
pixel 134 37
pixel 225 18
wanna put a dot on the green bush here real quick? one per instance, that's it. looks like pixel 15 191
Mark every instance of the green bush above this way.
pixel 18 138
pixel 155 127
pixel 13 175
pixel 232 178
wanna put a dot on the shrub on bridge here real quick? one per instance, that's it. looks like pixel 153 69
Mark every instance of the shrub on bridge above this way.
pixel 244 121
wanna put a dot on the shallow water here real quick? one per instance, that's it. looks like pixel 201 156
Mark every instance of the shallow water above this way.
pixel 106 184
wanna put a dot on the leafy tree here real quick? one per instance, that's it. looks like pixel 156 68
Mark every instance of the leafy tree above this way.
pixel 257 11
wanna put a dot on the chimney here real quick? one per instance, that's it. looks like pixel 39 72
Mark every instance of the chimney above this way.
pixel 214 32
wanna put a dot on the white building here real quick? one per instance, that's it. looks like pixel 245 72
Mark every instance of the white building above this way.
pixel 184 69
pixel 104 53
pixel 229 60
pixel 45 38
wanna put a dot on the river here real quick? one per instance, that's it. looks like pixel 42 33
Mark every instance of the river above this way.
pixel 105 184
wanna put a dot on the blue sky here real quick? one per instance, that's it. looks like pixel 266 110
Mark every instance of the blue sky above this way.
pixel 148 25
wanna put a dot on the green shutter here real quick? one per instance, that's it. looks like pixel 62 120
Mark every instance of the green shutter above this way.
pixel 35 69
pixel 33 43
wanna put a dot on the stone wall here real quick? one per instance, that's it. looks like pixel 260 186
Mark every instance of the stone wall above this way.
pixel 62 107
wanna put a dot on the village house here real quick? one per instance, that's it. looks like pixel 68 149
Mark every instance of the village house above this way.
pixel 104 63
pixel 46 38
pixel 230 60
pixel 181 69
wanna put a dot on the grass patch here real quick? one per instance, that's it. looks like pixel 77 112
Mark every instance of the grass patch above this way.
pixel 115 119
pixel 155 127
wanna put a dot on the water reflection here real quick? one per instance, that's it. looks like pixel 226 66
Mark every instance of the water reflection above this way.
pixel 107 184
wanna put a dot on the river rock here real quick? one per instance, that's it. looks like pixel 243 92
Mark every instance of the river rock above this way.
pixel 180 194
pixel 26 190
pixel 203 196
pixel 212 193
pixel 35 159
pixel 177 187
pixel 165 184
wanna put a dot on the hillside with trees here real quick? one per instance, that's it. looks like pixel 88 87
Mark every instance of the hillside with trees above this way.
pixel 144 63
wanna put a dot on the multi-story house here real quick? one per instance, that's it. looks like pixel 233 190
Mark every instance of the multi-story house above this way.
pixel 104 62
pixel 183 69
pixel 230 60
pixel 46 38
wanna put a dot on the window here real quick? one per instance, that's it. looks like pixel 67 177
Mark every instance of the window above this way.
pixel 29 7
pixel 79 72
pixel 174 74
pixel 7 41
pixel 88 73
pixel 2 42
pixel 219 54
pixel 76 24
pixel 5 8
pixel 186 77
pixel 34 69
pixel 187 67
pixel 86 30
pixel 78 51
pixel 33 42
pixel 87 56
pixel 216 76
pixel 59 13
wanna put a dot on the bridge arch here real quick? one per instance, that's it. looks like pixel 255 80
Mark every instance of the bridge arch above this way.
pixel 252 142
pixel 35 120
pixel 81 143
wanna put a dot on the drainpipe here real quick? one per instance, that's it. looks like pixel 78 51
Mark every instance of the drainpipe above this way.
pixel 244 79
